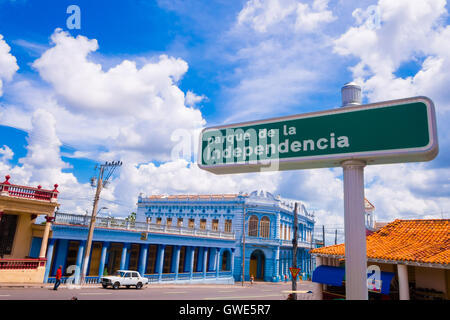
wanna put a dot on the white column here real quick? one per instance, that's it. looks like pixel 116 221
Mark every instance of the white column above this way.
pixel 318 286
pixel 403 283
pixel 355 231
pixel 325 262
pixel 45 236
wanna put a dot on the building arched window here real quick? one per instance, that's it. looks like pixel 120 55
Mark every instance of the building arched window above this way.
pixel 253 226
pixel 264 227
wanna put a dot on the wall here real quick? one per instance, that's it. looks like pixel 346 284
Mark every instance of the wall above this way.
pixel 22 276
pixel 431 278
pixel 22 238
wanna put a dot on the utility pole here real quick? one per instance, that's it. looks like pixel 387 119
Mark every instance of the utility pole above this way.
pixel 101 182
pixel 294 253
pixel 243 245
pixel 335 236
pixel 323 235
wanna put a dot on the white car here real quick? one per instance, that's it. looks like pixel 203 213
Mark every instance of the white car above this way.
pixel 125 278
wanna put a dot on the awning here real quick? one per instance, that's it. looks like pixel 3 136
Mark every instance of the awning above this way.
pixel 335 275
pixel 329 275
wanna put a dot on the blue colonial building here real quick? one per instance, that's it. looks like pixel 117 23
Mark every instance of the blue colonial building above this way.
pixel 188 238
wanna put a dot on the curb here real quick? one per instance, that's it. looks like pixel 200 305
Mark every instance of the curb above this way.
pixel 25 285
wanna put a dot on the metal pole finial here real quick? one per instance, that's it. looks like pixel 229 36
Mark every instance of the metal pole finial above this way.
pixel 351 94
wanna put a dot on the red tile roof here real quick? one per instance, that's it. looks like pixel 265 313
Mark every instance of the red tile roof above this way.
pixel 424 241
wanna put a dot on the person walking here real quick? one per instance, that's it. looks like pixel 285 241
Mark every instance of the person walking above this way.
pixel 58 278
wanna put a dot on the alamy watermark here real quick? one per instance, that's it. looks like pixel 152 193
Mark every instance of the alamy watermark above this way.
pixel 74 20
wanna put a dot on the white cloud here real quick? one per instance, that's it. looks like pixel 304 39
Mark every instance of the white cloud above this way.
pixel 6 153
pixel 385 37
pixel 126 109
pixel 281 53
pixel 132 112
pixel 406 31
pixel 263 15
pixel 191 99
pixel 310 18
pixel 8 63
pixel 408 191
pixel 182 177
pixel 43 143
pixel 129 112
pixel 43 165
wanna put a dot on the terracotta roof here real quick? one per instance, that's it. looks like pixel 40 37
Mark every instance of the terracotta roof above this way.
pixel 424 241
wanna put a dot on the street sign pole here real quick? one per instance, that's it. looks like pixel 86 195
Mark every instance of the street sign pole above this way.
pixel 354 224
pixel 355 232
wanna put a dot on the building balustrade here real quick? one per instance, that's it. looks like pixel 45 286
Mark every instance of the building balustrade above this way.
pixel 197 275
pixel 300 243
pixel 123 224
pixel 21 264
pixel 24 192
pixel 272 241
pixel 153 278
pixel 257 240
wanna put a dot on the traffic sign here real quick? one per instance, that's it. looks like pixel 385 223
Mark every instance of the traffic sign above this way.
pixel 144 235
pixel 386 132
pixel 294 272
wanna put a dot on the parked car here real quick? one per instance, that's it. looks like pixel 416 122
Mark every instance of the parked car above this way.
pixel 125 278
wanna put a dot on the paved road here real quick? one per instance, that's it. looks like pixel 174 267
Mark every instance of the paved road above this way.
pixel 257 291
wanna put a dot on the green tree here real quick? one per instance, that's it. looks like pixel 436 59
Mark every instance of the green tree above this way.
pixel 131 217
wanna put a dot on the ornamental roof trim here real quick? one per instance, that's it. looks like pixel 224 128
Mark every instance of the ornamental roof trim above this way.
pixel 194 197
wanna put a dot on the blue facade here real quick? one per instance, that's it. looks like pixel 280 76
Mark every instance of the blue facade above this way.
pixel 191 238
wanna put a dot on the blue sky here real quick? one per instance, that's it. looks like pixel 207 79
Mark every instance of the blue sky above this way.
pixel 139 75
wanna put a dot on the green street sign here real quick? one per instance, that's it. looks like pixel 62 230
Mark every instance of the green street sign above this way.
pixel 386 132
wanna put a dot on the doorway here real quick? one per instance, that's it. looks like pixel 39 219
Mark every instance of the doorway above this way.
pixel 257 263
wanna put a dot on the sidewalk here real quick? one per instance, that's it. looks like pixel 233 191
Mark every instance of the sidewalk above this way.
pixel 40 285
pixel 156 285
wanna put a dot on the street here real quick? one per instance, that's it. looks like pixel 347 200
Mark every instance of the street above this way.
pixel 257 291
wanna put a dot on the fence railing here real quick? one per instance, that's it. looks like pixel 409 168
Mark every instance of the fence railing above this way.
pixel 123 224
pixel 18 191
pixel 225 274
pixel 70 279
pixel 197 275
pixel 20 264
pixel 153 277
